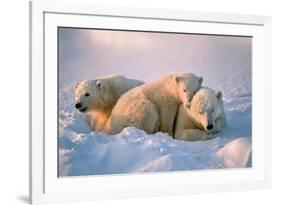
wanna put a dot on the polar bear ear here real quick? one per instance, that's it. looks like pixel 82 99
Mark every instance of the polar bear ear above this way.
pixel 177 79
pixel 75 86
pixel 98 84
pixel 200 80
pixel 219 95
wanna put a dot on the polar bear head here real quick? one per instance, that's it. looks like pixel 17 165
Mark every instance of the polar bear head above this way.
pixel 187 85
pixel 91 94
pixel 206 108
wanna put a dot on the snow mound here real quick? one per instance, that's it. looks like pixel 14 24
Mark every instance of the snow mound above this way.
pixel 133 150
pixel 237 153
pixel 83 152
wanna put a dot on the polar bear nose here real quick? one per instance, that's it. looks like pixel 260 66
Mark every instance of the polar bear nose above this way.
pixel 78 105
pixel 209 127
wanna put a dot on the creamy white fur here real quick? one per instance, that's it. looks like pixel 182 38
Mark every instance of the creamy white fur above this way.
pixel 206 108
pixel 153 106
pixel 103 95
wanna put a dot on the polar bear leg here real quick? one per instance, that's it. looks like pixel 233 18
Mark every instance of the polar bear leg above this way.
pixel 151 119
pixel 192 135
pixel 141 114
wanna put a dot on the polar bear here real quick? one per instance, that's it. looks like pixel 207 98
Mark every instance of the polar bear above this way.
pixel 95 98
pixel 153 106
pixel 203 117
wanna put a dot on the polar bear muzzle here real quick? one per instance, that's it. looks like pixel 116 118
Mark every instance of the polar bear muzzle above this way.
pixel 210 127
pixel 78 106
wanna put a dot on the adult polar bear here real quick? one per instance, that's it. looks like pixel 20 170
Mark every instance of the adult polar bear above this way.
pixel 203 117
pixel 153 106
pixel 95 98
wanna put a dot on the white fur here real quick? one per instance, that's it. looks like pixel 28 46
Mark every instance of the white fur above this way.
pixel 206 109
pixel 153 106
pixel 103 95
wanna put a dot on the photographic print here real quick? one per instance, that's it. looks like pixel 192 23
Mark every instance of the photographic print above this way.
pixel 142 101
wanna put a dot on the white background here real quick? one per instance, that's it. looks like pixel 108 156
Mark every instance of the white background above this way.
pixel 14 99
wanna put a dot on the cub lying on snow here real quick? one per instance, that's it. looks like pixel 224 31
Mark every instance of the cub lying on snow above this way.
pixel 203 117
pixel 95 98
pixel 153 106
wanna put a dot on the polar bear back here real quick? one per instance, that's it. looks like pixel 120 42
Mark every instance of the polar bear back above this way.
pixel 152 106
pixel 121 84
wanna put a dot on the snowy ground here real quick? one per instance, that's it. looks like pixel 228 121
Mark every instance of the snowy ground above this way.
pixel 82 152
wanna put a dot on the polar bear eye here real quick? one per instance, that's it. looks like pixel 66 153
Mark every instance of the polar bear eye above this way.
pixel 87 94
pixel 184 90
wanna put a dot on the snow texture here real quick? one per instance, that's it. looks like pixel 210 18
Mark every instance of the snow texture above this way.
pixel 225 64
pixel 82 152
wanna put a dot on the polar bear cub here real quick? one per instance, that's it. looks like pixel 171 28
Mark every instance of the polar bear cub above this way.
pixel 153 106
pixel 95 98
pixel 203 117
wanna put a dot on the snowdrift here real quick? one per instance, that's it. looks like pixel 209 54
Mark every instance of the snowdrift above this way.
pixel 82 152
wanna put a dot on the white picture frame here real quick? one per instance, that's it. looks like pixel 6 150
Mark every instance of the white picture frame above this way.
pixel 46 187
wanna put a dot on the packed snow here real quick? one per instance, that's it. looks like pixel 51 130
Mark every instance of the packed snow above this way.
pixel 83 152
pixel 223 62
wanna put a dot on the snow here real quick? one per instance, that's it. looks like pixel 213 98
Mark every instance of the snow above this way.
pixel 223 62
pixel 83 152
pixel 236 153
